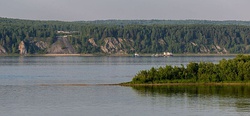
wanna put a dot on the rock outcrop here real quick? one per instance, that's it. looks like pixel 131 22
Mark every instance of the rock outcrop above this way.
pixel 92 41
pixel 2 50
pixel 109 45
pixel 61 46
pixel 22 48
pixel 42 45
pixel 113 45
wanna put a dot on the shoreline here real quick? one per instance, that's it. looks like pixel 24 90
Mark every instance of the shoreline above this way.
pixel 118 55
pixel 65 55
pixel 189 84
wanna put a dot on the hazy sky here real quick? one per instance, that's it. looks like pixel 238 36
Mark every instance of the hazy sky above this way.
pixel 75 10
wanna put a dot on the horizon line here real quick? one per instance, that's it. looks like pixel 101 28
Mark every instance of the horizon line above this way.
pixel 125 20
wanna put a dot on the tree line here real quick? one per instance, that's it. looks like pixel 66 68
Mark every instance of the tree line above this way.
pixel 141 37
pixel 166 22
pixel 232 70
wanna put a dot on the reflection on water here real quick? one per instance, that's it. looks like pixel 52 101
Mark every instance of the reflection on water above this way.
pixel 223 96
pixel 222 91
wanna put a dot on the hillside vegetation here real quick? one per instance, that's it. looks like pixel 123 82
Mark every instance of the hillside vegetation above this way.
pixel 124 36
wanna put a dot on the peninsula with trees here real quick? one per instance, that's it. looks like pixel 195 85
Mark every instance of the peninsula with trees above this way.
pixel 235 70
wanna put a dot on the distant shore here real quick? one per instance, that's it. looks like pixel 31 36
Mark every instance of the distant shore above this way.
pixel 119 55
pixel 141 55
pixel 194 55
pixel 65 55
pixel 54 55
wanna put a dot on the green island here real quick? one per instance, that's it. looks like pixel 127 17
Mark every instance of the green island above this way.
pixel 232 71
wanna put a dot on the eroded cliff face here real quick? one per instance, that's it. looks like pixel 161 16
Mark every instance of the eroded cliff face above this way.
pixel 2 50
pixel 42 45
pixel 61 46
pixel 109 45
pixel 210 48
pixel 92 41
pixel 112 45
pixel 22 48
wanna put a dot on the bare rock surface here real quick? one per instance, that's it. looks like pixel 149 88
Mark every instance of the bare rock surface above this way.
pixel 2 50
pixel 61 46
pixel 22 48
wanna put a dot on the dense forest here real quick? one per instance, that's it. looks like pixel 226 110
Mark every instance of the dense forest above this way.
pixel 232 70
pixel 124 36
pixel 167 22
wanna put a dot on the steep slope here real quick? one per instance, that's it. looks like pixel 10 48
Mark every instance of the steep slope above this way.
pixel 61 46
pixel 2 50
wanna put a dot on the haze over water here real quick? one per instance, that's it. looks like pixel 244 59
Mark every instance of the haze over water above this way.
pixel 21 93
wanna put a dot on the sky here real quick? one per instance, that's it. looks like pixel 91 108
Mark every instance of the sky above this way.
pixel 79 10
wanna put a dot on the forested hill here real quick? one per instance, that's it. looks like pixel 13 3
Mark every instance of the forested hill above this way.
pixel 123 36
pixel 167 22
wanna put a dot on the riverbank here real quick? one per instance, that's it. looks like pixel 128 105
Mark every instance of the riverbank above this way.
pixel 119 55
pixel 50 55
pixel 189 84
pixel 65 55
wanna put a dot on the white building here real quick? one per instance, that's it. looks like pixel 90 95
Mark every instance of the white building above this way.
pixel 168 54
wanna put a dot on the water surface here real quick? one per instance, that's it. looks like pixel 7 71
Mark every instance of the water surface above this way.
pixel 88 70
pixel 21 95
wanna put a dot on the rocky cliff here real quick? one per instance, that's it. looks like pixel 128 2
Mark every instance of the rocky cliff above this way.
pixel 2 50
pixel 109 45
pixel 112 45
pixel 22 48
pixel 123 46
pixel 61 46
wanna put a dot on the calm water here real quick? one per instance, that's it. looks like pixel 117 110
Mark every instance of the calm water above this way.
pixel 21 95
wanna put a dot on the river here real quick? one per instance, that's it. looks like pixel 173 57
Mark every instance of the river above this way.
pixel 21 93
